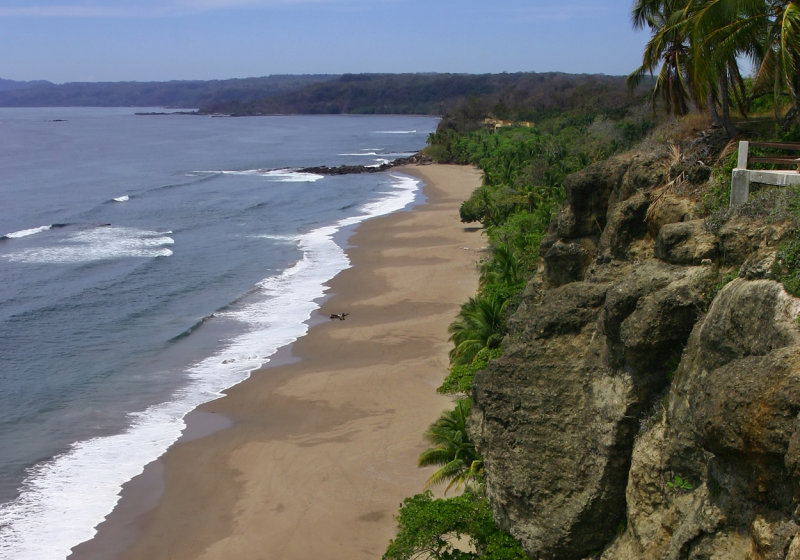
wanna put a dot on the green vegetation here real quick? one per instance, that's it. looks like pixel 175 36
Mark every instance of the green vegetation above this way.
pixel 459 380
pixel 452 450
pixel 679 483
pixel 459 528
pixel 177 93
pixel 787 265
pixel 524 165
pixel 480 324
pixel 466 97
pixel 697 46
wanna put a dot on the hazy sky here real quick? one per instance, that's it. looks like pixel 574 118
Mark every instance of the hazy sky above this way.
pixel 111 40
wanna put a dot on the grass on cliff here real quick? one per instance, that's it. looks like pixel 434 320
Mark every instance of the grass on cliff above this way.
pixel 786 268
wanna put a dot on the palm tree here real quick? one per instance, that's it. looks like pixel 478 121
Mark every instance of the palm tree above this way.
pixel 719 49
pixel 503 268
pixel 778 57
pixel 452 449
pixel 698 44
pixel 479 325
pixel 669 49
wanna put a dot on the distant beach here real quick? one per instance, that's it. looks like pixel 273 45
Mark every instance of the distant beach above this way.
pixel 312 456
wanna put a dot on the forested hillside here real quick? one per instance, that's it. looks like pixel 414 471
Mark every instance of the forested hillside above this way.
pixel 178 93
pixel 521 96
pixel 463 97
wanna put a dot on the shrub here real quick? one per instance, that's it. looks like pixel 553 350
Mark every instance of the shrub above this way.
pixel 431 528
pixel 459 380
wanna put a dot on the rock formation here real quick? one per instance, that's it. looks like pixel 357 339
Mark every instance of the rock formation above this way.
pixel 640 408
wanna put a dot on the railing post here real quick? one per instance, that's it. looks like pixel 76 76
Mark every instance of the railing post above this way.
pixel 744 149
pixel 740 186
pixel 740 177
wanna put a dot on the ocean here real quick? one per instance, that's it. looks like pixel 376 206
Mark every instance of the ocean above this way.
pixel 147 264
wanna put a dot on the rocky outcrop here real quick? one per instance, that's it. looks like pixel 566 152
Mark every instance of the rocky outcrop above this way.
pixel 555 417
pixel 631 416
pixel 686 243
pixel 730 431
pixel 418 159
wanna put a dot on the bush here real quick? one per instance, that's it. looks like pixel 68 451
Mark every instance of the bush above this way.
pixel 787 265
pixel 431 528
pixel 459 380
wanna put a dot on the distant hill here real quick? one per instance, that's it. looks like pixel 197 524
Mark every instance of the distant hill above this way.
pixel 521 95
pixel 178 93
pixel 463 99
pixel 8 85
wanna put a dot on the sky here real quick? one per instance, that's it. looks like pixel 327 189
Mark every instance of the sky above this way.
pixel 157 40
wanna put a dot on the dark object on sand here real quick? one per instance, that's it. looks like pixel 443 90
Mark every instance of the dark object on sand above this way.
pixel 339 316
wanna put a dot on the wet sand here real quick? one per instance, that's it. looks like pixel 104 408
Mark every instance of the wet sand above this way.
pixel 311 458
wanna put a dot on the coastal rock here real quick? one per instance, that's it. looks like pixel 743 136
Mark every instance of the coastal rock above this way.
pixel 555 472
pixel 588 193
pixel 759 265
pixel 625 224
pixel 731 431
pixel 740 237
pixel 566 262
pixel 418 158
pixel 638 410
pixel 668 208
pixel 686 243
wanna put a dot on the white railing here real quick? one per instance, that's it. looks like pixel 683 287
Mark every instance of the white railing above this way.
pixel 742 176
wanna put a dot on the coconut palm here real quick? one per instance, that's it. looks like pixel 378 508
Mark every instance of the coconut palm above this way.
pixel 718 51
pixel 452 449
pixel 479 325
pixel 698 43
pixel 778 57
pixel 503 268
pixel 668 50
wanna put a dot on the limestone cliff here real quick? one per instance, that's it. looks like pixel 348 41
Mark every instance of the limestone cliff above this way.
pixel 640 409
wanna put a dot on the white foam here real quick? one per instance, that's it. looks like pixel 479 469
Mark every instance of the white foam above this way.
pixel 100 243
pixel 123 198
pixel 288 238
pixel 27 232
pixel 278 175
pixel 63 499
pixel 289 176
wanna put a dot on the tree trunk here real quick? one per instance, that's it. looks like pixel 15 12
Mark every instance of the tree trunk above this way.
pixel 716 122
pixel 725 101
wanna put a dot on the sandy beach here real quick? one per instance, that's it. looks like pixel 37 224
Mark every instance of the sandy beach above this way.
pixel 311 457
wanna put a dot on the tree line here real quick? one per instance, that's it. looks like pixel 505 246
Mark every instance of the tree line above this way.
pixel 464 97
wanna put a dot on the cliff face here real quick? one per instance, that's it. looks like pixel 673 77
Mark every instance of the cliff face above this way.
pixel 640 411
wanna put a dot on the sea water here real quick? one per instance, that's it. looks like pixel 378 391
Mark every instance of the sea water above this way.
pixel 147 263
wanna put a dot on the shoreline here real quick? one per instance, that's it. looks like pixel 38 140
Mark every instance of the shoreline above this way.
pixel 314 452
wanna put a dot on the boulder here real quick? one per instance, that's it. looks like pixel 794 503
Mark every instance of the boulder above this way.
pixel 686 243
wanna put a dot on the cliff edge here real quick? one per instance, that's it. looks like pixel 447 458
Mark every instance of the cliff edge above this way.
pixel 646 405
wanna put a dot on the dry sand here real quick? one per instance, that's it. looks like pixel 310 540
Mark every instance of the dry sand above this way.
pixel 320 451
